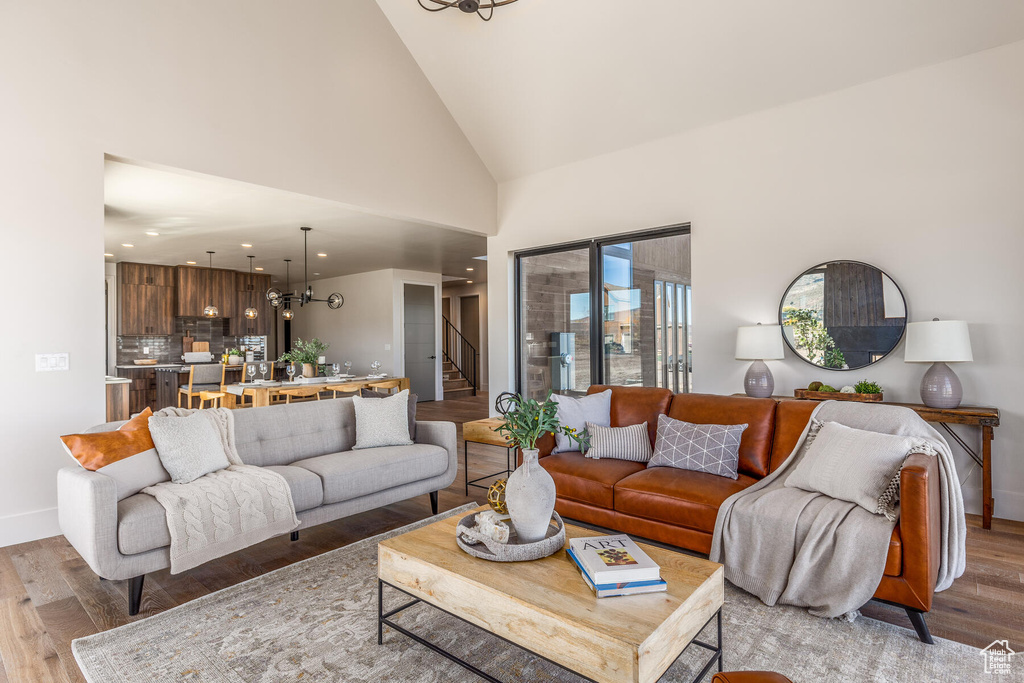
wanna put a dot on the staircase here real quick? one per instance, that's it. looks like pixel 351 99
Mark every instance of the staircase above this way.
pixel 455 384
pixel 459 366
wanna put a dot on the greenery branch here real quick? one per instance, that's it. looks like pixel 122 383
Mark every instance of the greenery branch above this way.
pixel 529 419
pixel 306 352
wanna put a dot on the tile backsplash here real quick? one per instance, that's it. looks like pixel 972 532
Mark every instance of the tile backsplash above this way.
pixel 168 349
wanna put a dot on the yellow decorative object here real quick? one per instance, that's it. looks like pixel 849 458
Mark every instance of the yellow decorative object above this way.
pixel 496 497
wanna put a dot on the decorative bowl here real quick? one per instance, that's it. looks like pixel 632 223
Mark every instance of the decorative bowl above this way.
pixel 513 551
pixel 146 361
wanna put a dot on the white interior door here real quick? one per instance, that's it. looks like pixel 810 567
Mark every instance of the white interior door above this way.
pixel 420 340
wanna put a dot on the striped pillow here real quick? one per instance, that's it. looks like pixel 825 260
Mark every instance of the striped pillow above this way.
pixel 621 443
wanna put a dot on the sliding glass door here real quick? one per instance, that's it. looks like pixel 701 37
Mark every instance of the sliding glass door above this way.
pixel 639 285
pixel 554 331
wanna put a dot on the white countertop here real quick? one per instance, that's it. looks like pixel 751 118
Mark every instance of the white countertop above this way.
pixel 117 380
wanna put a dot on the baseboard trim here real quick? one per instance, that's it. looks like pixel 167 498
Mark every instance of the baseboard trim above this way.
pixel 28 526
pixel 1009 505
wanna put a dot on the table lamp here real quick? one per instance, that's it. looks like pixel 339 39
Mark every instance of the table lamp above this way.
pixel 939 342
pixel 759 343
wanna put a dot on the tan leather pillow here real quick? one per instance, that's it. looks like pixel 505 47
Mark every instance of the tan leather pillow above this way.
pixel 127 455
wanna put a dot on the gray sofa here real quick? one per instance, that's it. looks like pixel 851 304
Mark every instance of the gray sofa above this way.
pixel 309 444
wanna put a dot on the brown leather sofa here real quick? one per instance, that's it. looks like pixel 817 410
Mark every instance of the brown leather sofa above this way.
pixel 679 507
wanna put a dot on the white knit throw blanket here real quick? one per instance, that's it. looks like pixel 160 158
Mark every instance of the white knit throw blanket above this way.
pixel 795 547
pixel 224 511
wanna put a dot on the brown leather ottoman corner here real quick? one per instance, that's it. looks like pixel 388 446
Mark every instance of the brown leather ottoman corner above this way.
pixel 750 677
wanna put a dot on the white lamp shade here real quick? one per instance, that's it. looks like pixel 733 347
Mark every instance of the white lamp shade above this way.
pixel 938 341
pixel 759 342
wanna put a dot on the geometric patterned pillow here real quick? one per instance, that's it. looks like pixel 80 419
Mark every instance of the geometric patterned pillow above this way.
pixel 714 449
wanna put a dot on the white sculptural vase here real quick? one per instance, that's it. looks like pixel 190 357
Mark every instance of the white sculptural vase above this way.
pixel 530 497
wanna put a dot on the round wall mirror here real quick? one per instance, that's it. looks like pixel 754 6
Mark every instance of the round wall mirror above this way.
pixel 843 315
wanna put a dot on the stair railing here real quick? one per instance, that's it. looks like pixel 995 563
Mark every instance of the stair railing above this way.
pixel 460 353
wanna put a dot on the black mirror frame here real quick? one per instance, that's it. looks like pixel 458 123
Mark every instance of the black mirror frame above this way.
pixel 903 332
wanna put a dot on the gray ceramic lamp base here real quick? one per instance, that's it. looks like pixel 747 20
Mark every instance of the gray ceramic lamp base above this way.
pixel 941 388
pixel 758 382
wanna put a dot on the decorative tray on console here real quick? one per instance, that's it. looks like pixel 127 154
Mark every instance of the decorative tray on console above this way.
pixel 835 396
pixel 513 551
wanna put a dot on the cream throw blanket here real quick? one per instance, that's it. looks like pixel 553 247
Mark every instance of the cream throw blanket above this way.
pixel 795 547
pixel 226 510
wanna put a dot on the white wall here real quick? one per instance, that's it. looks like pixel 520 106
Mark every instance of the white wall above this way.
pixel 475 289
pixel 359 330
pixel 320 98
pixel 369 326
pixel 920 174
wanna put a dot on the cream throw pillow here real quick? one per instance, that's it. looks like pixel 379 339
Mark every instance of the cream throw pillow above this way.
pixel 855 465
pixel 382 421
pixel 189 447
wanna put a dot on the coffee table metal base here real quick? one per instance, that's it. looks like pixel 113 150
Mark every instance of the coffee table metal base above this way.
pixel 384 619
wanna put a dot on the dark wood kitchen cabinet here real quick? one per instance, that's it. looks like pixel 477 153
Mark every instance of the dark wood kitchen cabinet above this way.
pixel 145 301
pixel 142 390
pixel 168 382
pixel 252 288
pixel 198 287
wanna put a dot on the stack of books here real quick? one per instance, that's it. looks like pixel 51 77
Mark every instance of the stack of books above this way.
pixel 615 565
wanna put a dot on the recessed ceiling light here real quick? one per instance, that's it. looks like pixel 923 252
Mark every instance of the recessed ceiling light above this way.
pixel 127 245
pixel 190 263
pixel 247 246
pixel 321 254
pixel 316 273
pixel 259 267
pixel 108 254
pixel 152 233
pixel 469 282
pixel 469 269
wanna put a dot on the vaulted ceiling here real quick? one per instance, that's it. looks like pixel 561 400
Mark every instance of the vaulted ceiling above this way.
pixel 550 82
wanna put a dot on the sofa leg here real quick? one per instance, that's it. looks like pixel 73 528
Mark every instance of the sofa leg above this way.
pixel 135 594
pixel 295 535
pixel 917 619
pixel 433 502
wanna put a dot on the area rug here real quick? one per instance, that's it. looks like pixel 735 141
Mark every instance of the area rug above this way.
pixel 316 620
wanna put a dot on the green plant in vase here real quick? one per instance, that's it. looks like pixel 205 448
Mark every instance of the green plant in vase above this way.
pixel 530 491
pixel 307 353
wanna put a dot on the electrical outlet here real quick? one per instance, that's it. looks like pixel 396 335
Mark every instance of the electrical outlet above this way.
pixel 145 350
pixel 387 347
pixel 51 362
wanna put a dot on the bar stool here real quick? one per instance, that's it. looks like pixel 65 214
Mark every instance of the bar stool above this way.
pixel 205 377
pixel 305 393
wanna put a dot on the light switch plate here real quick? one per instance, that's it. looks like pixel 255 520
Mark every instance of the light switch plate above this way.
pixel 387 347
pixel 51 362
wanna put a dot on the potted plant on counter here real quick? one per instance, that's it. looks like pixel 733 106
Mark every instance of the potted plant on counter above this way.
pixel 306 352
pixel 234 357
pixel 530 491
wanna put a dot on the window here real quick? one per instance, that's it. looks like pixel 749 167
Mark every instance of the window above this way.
pixel 642 337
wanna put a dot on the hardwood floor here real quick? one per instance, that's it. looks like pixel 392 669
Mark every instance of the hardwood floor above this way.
pixel 49 596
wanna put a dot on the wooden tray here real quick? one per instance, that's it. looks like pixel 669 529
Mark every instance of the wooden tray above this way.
pixel 835 396
pixel 146 361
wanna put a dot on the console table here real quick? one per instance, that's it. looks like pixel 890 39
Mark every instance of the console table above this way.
pixel 987 419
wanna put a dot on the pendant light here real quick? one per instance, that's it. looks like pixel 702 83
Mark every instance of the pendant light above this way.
pixel 211 310
pixel 279 299
pixel 251 312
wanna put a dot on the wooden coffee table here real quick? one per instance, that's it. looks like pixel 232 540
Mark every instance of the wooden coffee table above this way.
pixel 545 607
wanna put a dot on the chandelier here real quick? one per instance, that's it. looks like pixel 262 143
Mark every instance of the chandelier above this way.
pixel 467 6
pixel 279 299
